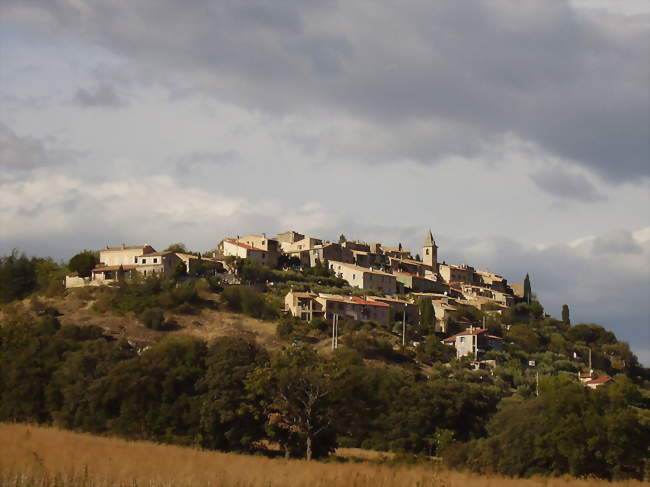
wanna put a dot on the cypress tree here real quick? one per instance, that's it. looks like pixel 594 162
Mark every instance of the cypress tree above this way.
pixel 565 314
pixel 527 290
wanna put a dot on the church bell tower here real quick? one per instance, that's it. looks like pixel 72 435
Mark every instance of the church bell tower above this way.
pixel 430 252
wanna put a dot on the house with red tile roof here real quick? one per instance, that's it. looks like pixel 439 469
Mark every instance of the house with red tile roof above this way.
pixel 473 342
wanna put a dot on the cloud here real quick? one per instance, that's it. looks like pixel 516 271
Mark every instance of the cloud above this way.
pixel 564 184
pixel 24 153
pixel 616 242
pixel 103 95
pixel 571 81
pixel 198 159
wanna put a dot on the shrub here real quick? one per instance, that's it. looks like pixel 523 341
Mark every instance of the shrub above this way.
pixel 153 319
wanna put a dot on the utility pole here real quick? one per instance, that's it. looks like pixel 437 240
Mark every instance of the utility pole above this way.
pixel 404 327
pixel 336 333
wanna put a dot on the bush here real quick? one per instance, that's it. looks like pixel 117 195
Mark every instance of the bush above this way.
pixel 244 299
pixel 154 319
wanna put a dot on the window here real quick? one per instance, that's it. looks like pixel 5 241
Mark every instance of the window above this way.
pixel 427 251
pixel 144 261
pixel 155 260
pixel 263 255
pixel 135 259
pixel 461 339
pixel 354 276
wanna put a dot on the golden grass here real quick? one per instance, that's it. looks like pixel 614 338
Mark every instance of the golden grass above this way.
pixel 37 456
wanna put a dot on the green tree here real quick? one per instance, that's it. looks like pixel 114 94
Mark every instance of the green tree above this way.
pixel 177 247
pixel 427 316
pixel 565 314
pixel 568 429
pixel 524 336
pixel 528 294
pixel 83 262
pixel 432 350
pixel 296 392
pixel 342 239
pixel 18 276
pixel 230 419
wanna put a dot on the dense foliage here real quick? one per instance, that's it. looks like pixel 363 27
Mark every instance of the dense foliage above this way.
pixel 372 392
pixel 21 276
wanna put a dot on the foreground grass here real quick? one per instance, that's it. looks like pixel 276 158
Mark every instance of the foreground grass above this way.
pixel 40 457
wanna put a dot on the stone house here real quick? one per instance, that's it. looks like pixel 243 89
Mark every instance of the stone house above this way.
pixel 236 248
pixel 123 255
pixel 365 278
pixel 456 273
pixel 473 343
pixel 307 306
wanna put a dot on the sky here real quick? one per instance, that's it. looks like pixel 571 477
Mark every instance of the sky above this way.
pixel 518 131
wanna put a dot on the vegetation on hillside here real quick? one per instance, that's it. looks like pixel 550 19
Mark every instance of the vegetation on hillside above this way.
pixel 232 395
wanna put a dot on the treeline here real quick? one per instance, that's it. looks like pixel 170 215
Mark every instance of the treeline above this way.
pixel 21 276
pixel 230 393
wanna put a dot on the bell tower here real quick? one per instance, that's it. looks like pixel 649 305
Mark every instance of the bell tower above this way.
pixel 430 253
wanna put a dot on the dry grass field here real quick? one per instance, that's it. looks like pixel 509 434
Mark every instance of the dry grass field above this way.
pixel 36 456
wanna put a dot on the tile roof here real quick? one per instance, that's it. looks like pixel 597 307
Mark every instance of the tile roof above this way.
pixel 125 247
pixel 360 268
pixel 107 268
pixel 243 245
pixel 600 380
pixel 357 300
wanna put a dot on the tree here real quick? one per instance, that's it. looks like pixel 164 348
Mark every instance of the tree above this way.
pixel 230 419
pixel 18 276
pixel 83 263
pixel 177 247
pixel 427 316
pixel 524 336
pixel 342 239
pixel 527 289
pixel 432 350
pixel 568 429
pixel 180 270
pixel 565 314
pixel 296 392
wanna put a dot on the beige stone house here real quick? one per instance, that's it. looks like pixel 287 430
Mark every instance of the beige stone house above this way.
pixel 307 306
pixel 285 239
pixel 236 248
pixel 323 253
pixel 410 266
pixel 303 244
pixel 456 273
pixel 123 255
pixel 304 305
pixel 365 278
pixel 417 283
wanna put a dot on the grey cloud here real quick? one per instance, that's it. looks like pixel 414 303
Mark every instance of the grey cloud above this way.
pixel 21 153
pixel 465 72
pixel 196 159
pixel 616 242
pixel 103 95
pixel 567 185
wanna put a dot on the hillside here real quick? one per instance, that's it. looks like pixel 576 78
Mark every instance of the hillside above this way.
pixel 197 362
pixel 37 456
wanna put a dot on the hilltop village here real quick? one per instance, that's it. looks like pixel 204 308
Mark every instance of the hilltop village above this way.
pixel 393 280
